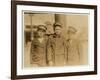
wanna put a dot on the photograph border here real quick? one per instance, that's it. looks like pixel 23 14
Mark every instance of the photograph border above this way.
pixel 14 39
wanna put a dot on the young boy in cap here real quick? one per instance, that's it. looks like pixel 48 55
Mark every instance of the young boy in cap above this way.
pixel 73 47
pixel 57 48
pixel 38 47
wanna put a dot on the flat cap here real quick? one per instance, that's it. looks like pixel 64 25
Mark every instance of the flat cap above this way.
pixel 42 27
pixel 72 29
pixel 57 24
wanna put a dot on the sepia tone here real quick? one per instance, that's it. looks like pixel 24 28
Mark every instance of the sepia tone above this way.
pixel 74 32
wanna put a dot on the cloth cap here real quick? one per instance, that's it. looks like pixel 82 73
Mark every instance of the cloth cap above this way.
pixel 57 24
pixel 72 29
pixel 42 27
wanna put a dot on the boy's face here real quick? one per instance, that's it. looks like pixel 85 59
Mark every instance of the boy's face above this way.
pixel 41 33
pixel 58 30
pixel 70 35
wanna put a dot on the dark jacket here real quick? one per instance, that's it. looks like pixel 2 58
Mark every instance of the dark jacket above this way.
pixel 57 50
pixel 38 52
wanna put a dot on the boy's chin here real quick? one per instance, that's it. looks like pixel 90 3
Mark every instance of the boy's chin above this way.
pixel 58 34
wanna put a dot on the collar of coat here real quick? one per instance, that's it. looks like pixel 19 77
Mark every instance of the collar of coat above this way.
pixel 56 36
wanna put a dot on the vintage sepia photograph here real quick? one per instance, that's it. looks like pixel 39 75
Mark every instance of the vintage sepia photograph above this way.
pixel 55 39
